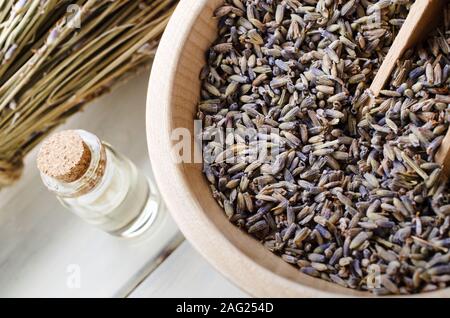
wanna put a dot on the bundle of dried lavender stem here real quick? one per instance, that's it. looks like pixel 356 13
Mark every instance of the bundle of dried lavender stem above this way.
pixel 57 55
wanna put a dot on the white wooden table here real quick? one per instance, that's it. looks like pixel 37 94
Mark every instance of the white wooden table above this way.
pixel 45 251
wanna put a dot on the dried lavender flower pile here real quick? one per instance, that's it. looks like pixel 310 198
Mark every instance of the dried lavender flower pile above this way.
pixel 358 202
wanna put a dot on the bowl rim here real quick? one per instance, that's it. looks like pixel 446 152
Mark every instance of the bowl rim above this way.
pixel 173 186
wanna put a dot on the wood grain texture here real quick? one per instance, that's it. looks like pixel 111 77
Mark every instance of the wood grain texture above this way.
pixel 172 100
pixel 183 274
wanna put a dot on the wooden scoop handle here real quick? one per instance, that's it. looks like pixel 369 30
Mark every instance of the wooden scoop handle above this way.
pixel 423 17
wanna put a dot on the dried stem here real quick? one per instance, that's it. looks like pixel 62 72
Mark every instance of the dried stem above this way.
pixel 49 68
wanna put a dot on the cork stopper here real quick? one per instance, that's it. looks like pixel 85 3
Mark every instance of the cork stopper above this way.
pixel 64 156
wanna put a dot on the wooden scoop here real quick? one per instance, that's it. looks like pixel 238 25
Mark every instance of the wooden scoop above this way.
pixel 443 154
pixel 424 16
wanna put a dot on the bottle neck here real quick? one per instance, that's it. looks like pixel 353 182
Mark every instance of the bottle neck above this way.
pixel 90 179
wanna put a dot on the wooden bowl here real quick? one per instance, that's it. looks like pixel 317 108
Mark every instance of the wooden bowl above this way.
pixel 173 94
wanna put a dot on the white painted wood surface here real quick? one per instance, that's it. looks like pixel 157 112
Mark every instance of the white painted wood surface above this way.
pixel 186 273
pixel 43 246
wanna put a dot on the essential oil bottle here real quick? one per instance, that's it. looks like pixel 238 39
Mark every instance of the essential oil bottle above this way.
pixel 97 183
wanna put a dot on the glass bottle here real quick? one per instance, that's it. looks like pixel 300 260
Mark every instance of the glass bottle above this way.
pixel 97 183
